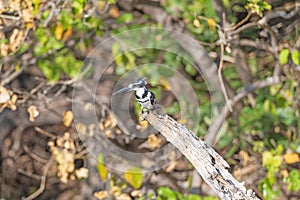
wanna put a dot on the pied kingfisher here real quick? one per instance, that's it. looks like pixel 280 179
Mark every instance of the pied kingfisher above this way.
pixel 143 96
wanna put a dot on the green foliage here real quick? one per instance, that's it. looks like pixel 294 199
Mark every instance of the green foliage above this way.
pixel 272 161
pixel 273 109
pixel 296 57
pixel 102 170
pixel 284 56
pixel 227 138
pixel 175 108
pixel 190 10
pixel 258 6
pixel 258 146
pixel 35 4
pixel 53 65
pixel 166 193
pixel 272 119
pixel 293 180
pixel 134 177
pixel 124 61
pixel 271 122
pixel 77 6
pixel 267 190
pixel 125 18
pixel 54 58
pixel 190 69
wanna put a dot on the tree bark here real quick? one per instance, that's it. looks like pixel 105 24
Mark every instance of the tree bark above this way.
pixel 209 164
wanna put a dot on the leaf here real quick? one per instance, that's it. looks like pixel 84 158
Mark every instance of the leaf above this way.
pixel 134 177
pixel 258 146
pixel 65 18
pixel 190 70
pixel 173 109
pixel 271 162
pixel 45 15
pixel 131 61
pixel 114 12
pixel 164 72
pixel 211 24
pixel 294 180
pixel 267 190
pixel 42 35
pixel 78 7
pixel 269 106
pixel 193 197
pixel 278 150
pixel 284 56
pixel 102 170
pixel 67 34
pixel 166 193
pixel 286 115
pixel 258 6
pixel 115 48
pixel 58 32
pixel 125 18
pixel 165 84
pixel 291 158
pixel 296 57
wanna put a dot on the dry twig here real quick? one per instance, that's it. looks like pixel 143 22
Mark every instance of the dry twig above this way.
pixel 43 182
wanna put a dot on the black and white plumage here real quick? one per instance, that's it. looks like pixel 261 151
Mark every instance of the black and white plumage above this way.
pixel 143 96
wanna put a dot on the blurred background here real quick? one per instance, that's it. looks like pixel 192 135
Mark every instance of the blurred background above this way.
pixel 250 47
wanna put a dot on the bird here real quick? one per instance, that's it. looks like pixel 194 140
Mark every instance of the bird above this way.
pixel 143 96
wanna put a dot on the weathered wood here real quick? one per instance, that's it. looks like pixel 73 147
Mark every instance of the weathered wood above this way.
pixel 209 164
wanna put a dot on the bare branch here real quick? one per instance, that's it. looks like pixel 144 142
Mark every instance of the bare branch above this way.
pixel 241 64
pixel 12 76
pixel 33 155
pixel 221 78
pixel 217 124
pixel 209 164
pixel 221 12
pixel 255 44
pixel 281 14
pixel 43 182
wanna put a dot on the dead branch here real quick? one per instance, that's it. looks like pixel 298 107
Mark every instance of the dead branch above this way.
pixel 221 78
pixel 209 164
pixel 42 187
pixel 11 76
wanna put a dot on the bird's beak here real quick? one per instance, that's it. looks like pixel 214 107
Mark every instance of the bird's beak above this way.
pixel 123 90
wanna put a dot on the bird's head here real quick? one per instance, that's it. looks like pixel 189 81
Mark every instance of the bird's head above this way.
pixel 133 86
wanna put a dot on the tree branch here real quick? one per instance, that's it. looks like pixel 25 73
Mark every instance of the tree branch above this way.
pixel 217 124
pixel 209 164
